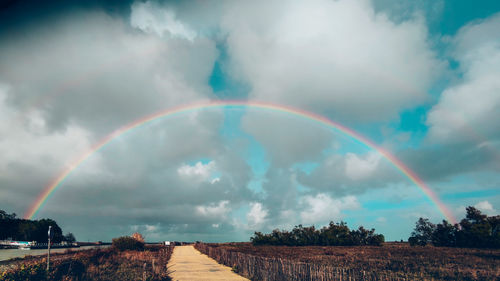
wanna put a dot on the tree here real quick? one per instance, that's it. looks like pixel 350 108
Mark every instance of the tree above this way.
pixel 70 238
pixel 331 235
pixel 259 239
pixel 422 234
pixel 474 216
pixel 336 234
pixel 444 235
pixel 476 230
pixel 41 228
pixel 5 216
pixel 495 231
pixel 376 240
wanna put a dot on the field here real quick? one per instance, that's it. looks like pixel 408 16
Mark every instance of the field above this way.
pixel 101 264
pixel 392 261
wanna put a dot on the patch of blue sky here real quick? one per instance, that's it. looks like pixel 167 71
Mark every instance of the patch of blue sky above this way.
pixel 224 85
pixel 394 197
pixel 443 17
pixel 256 185
pixel 254 154
pixel 457 13
pixel 392 223
pixel 372 204
pixel 230 129
pixel 302 188
pixel 346 146
pixel 256 158
pixel 410 130
pixel 413 120
pixel 203 160
pixel 375 132
pixel 464 189
pixel 306 167
pixel 482 194
pixel 240 213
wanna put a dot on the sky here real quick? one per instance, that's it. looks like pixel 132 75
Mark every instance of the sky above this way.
pixel 417 78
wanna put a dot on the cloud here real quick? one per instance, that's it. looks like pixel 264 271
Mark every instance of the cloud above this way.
pixel 198 170
pixel 32 143
pixel 286 139
pixel 466 111
pixel 322 208
pixel 32 154
pixel 351 173
pixel 219 210
pixel 75 76
pixel 152 18
pixel 333 57
pixel 96 71
pixel 93 73
pixel 359 168
pixel 463 134
pixel 486 207
pixel 257 215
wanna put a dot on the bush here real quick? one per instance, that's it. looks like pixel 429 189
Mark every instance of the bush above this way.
pixel 476 230
pixel 26 272
pixel 332 235
pixel 127 243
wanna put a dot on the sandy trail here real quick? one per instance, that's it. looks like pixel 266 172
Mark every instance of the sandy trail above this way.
pixel 187 263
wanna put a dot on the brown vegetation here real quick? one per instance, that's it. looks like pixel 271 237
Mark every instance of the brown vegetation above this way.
pixel 103 264
pixel 137 236
pixel 392 261
pixel 127 243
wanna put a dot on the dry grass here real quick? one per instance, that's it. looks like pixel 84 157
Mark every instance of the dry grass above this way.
pixel 395 259
pixel 103 264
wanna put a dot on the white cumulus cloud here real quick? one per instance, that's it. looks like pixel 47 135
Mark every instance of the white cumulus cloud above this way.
pixel 469 109
pixel 219 210
pixel 153 18
pixel 199 171
pixel 486 207
pixel 336 57
pixel 322 208
pixel 257 214
pixel 357 167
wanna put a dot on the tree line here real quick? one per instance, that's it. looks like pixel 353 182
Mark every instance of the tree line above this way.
pixel 476 230
pixel 335 234
pixel 18 229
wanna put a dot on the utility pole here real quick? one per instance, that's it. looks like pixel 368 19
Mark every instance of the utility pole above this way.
pixel 48 254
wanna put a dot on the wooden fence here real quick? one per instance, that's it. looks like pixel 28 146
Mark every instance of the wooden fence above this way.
pixel 276 269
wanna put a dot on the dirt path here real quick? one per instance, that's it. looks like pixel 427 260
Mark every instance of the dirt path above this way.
pixel 187 263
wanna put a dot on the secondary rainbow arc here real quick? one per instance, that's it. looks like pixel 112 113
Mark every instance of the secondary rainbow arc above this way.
pixel 411 175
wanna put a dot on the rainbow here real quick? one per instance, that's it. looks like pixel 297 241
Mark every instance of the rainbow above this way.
pixel 412 176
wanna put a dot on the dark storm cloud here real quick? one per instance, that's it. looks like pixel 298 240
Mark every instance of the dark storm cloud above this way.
pixel 97 71
pixel 138 181
pixel 443 162
pixel 16 15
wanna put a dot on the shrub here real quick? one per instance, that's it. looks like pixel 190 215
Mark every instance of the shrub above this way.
pixel 137 236
pixel 332 235
pixel 476 230
pixel 127 243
